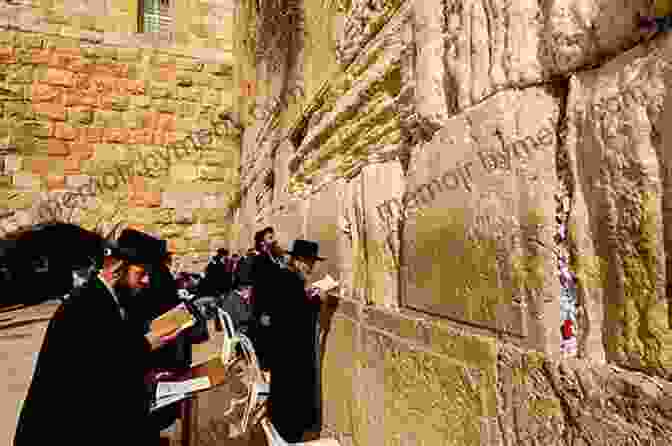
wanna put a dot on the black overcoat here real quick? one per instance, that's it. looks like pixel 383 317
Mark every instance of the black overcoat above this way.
pixel 160 297
pixel 265 291
pixel 88 384
pixel 295 400
pixel 218 280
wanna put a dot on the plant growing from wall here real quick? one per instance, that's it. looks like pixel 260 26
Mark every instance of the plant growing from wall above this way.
pixel 645 328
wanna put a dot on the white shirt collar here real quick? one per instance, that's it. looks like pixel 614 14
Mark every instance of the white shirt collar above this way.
pixel 114 295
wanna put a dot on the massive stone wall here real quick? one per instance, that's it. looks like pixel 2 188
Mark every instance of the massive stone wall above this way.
pixel 428 154
pixel 142 124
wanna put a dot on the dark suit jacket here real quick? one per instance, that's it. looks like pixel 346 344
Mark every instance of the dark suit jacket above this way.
pixel 88 386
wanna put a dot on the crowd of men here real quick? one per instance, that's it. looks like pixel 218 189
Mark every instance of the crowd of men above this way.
pixel 100 360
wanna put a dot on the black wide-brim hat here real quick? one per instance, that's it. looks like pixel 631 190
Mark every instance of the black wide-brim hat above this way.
pixel 138 248
pixel 304 248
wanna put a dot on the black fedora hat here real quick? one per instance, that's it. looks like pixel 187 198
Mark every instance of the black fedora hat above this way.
pixel 304 248
pixel 138 247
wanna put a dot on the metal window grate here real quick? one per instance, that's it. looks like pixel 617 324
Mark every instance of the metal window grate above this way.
pixel 155 16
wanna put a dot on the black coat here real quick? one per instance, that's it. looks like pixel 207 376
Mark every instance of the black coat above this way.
pixel 295 400
pixel 265 291
pixel 217 280
pixel 88 385
pixel 160 297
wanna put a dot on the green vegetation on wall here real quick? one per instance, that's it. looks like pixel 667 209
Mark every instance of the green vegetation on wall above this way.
pixel 320 63
pixel 433 395
pixel 458 269
pixel 645 339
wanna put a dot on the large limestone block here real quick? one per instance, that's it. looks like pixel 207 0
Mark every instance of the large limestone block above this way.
pixel 427 398
pixel 174 199
pixel 371 395
pixel 322 227
pixel 479 209
pixel 27 182
pixel 289 222
pixel 352 262
pixel 340 375
pixel 248 208
pixel 619 166
pixel 281 171
pixel 381 182
pixel 469 50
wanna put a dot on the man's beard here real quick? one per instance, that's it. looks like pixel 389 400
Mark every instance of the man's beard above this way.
pixel 303 272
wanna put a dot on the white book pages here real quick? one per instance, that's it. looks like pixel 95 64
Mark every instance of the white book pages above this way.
pixel 165 389
pixel 168 400
pixel 326 284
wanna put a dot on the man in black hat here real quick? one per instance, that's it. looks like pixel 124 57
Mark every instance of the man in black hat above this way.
pixel 295 400
pixel 159 297
pixel 89 380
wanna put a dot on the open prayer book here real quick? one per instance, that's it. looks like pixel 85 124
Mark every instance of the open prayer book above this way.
pixel 200 377
pixel 326 284
pixel 175 320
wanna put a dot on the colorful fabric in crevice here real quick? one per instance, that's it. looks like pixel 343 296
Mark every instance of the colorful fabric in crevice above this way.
pixel 568 301
pixel 656 24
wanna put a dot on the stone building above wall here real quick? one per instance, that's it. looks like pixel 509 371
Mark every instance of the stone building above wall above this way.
pixel 90 104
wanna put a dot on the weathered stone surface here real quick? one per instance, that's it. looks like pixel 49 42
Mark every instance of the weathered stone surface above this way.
pixel 322 226
pixel 339 371
pixel 353 264
pixel 469 51
pixel 459 112
pixel 476 197
pixel 436 395
pixel 579 402
pixel 620 170
pixel 353 124
pixel 27 181
pixel 289 223
pixel 382 182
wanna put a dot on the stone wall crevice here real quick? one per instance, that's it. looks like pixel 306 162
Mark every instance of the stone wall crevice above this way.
pixel 468 147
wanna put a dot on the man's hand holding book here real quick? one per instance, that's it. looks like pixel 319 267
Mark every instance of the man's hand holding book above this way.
pixel 167 327
pixel 320 288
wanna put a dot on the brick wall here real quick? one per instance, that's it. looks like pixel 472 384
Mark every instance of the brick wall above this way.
pixel 73 114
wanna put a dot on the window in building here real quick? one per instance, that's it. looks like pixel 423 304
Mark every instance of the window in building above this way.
pixel 155 16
